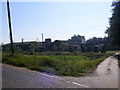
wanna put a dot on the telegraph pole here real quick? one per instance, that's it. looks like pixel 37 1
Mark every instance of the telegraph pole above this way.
pixel 10 28
pixel 42 37
pixel 22 40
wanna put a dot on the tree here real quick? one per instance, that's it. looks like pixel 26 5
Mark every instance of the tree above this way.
pixel 34 46
pixel 113 30
pixel 77 39
pixel 64 47
pixel 17 48
pixel 94 40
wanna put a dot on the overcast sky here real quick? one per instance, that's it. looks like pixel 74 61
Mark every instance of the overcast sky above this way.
pixel 56 20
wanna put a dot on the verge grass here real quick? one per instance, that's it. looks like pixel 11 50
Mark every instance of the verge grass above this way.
pixel 68 65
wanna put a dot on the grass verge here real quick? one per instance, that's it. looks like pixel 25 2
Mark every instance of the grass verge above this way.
pixel 67 65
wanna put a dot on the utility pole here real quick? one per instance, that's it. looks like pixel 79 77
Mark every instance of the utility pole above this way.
pixel 42 37
pixel 10 28
pixel 22 40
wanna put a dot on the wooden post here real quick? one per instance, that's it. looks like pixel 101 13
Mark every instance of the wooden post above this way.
pixel 10 28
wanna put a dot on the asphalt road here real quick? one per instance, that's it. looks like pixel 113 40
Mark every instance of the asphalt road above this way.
pixel 105 76
pixel 14 77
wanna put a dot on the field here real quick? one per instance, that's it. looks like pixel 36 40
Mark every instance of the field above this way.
pixel 65 63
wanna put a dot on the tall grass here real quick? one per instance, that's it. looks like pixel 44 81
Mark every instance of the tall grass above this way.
pixel 70 65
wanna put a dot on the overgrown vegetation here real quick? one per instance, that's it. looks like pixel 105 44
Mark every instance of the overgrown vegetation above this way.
pixel 70 65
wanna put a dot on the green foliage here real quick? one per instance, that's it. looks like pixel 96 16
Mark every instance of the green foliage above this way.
pixel 95 40
pixel 114 29
pixel 34 46
pixel 70 65
pixel 64 47
pixel 17 49
pixel 77 39
pixel 31 51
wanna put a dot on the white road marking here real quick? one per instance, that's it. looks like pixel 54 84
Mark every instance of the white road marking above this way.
pixel 87 77
pixel 49 76
pixel 56 77
pixel 78 84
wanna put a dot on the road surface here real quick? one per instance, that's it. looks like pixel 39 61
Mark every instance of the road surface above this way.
pixel 105 76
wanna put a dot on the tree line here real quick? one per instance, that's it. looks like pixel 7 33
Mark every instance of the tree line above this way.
pixel 76 43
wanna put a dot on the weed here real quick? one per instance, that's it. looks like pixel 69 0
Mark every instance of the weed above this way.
pixel 69 65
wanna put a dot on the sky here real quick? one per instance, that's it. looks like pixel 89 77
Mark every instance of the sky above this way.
pixel 56 20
